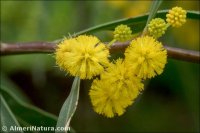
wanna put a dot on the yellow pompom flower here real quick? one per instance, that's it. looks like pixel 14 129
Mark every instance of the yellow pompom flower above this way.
pixel 157 27
pixel 176 17
pixel 146 57
pixel 83 56
pixel 104 99
pixel 122 33
pixel 120 75
pixel 116 90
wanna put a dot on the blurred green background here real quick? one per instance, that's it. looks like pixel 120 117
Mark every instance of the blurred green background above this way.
pixel 169 103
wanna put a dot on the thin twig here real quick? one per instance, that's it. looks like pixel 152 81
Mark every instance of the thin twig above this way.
pixel 49 47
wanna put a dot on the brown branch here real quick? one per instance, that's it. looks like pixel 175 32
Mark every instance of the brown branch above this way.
pixel 49 47
pixel 26 48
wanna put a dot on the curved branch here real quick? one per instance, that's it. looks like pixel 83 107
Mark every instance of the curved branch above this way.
pixel 49 47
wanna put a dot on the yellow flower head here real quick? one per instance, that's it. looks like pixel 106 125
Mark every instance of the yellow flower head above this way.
pixel 103 98
pixel 146 57
pixel 115 91
pixel 122 33
pixel 83 56
pixel 176 17
pixel 157 27
pixel 120 75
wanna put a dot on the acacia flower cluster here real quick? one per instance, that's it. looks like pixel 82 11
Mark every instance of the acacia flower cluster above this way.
pixel 157 27
pixel 122 33
pixel 119 82
pixel 176 17
pixel 146 57
pixel 116 89
pixel 83 56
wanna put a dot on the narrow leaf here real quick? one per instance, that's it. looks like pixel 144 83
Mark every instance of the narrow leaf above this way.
pixel 153 10
pixel 8 120
pixel 136 23
pixel 69 106
pixel 26 114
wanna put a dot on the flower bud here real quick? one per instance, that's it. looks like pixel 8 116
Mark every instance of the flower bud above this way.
pixel 176 17
pixel 157 27
pixel 122 33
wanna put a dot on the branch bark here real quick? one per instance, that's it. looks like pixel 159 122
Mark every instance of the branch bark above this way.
pixel 49 47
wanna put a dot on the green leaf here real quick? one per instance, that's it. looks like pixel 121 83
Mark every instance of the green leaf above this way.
pixel 69 106
pixel 8 120
pixel 26 114
pixel 154 8
pixel 136 23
